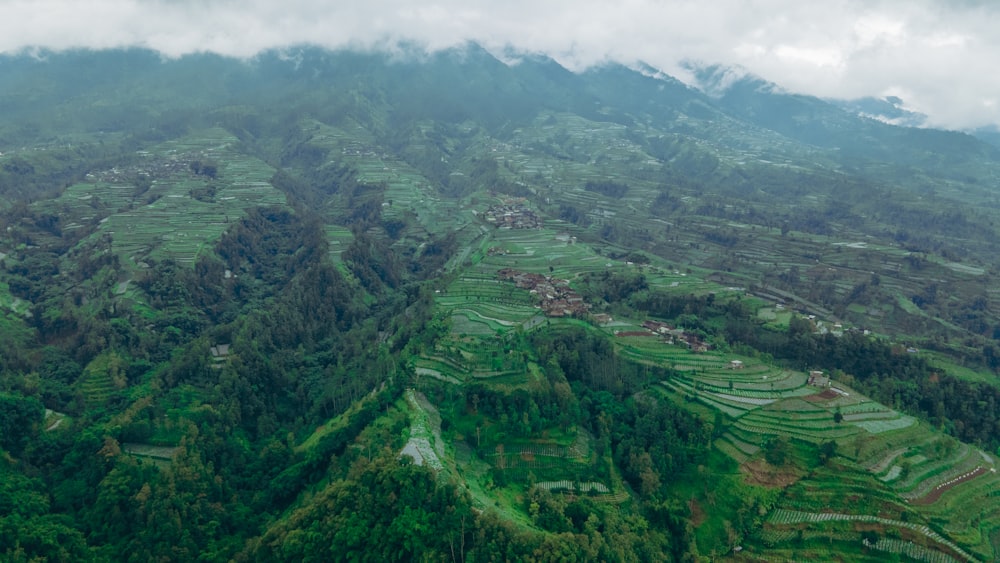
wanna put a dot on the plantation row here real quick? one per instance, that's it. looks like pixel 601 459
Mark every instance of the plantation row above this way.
pixel 880 426
pixel 940 477
pixel 809 435
pixel 940 488
pixel 967 511
pixel 565 485
pixel 787 517
pixel 873 451
pixel 910 549
pixel 733 411
pixel 548 450
pixel 923 468
pixel 746 448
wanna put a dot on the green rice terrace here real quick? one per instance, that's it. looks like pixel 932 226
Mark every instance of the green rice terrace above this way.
pixel 173 211
pixel 909 474
pixel 914 469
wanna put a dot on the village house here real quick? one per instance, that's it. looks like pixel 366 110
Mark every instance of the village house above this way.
pixel 601 318
pixel 657 327
pixel 512 215
pixel 557 298
pixel 816 378
pixel 690 340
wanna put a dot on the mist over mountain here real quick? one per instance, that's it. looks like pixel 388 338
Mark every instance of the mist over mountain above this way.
pixel 889 109
pixel 115 90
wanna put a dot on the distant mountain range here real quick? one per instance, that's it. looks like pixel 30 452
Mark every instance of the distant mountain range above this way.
pixel 112 90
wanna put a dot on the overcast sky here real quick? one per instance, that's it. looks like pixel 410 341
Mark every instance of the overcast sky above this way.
pixel 942 57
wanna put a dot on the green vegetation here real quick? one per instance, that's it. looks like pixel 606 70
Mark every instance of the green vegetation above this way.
pixel 354 308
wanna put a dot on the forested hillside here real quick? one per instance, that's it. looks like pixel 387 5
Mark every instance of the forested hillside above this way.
pixel 325 306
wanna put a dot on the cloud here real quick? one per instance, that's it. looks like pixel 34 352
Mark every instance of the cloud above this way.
pixel 939 53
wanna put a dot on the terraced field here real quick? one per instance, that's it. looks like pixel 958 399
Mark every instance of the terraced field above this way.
pixel 100 379
pixel 408 194
pixel 895 476
pixel 181 212
pixel 903 467
pixel 483 310
pixel 339 238
pixel 160 456
pixel 938 548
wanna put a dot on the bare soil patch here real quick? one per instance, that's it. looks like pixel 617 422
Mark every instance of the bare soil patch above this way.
pixel 760 472
pixel 697 513
pixel 826 395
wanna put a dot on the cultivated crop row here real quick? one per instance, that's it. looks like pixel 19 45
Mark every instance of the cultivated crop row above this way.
pixel 573 486
pixel 787 517
pixel 910 549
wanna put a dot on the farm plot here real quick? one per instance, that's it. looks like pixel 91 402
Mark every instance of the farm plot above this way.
pixel 759 411
pixel 472 322
pixel 732 410
pixel 951 483
pixel 101 378
pixel 969 513
pixel 407 195
pixel 745 449
pixel 742 399
pixel 339 238
pixel 795 406
pixel 922 477
pixel 436 374
pixel 479 356
pixel 571 486
pixel 713 370
pixel 538 250
pixel 504 316
pixel 886 424
pixel 675 356
pixel 54 419
pixel 556 464
pixel 811 429
pixel 647 350
pixel 872 450
pixel 160 456
pixel 575 147
pixel 864 410
pixel 470 289
pixel 480 304
pixel 174 220
pixel 878 465
pixel 834 488
pixel 730 450
pixel 910 549
pixel 934 494
pixel 783 517
pixel 713 374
